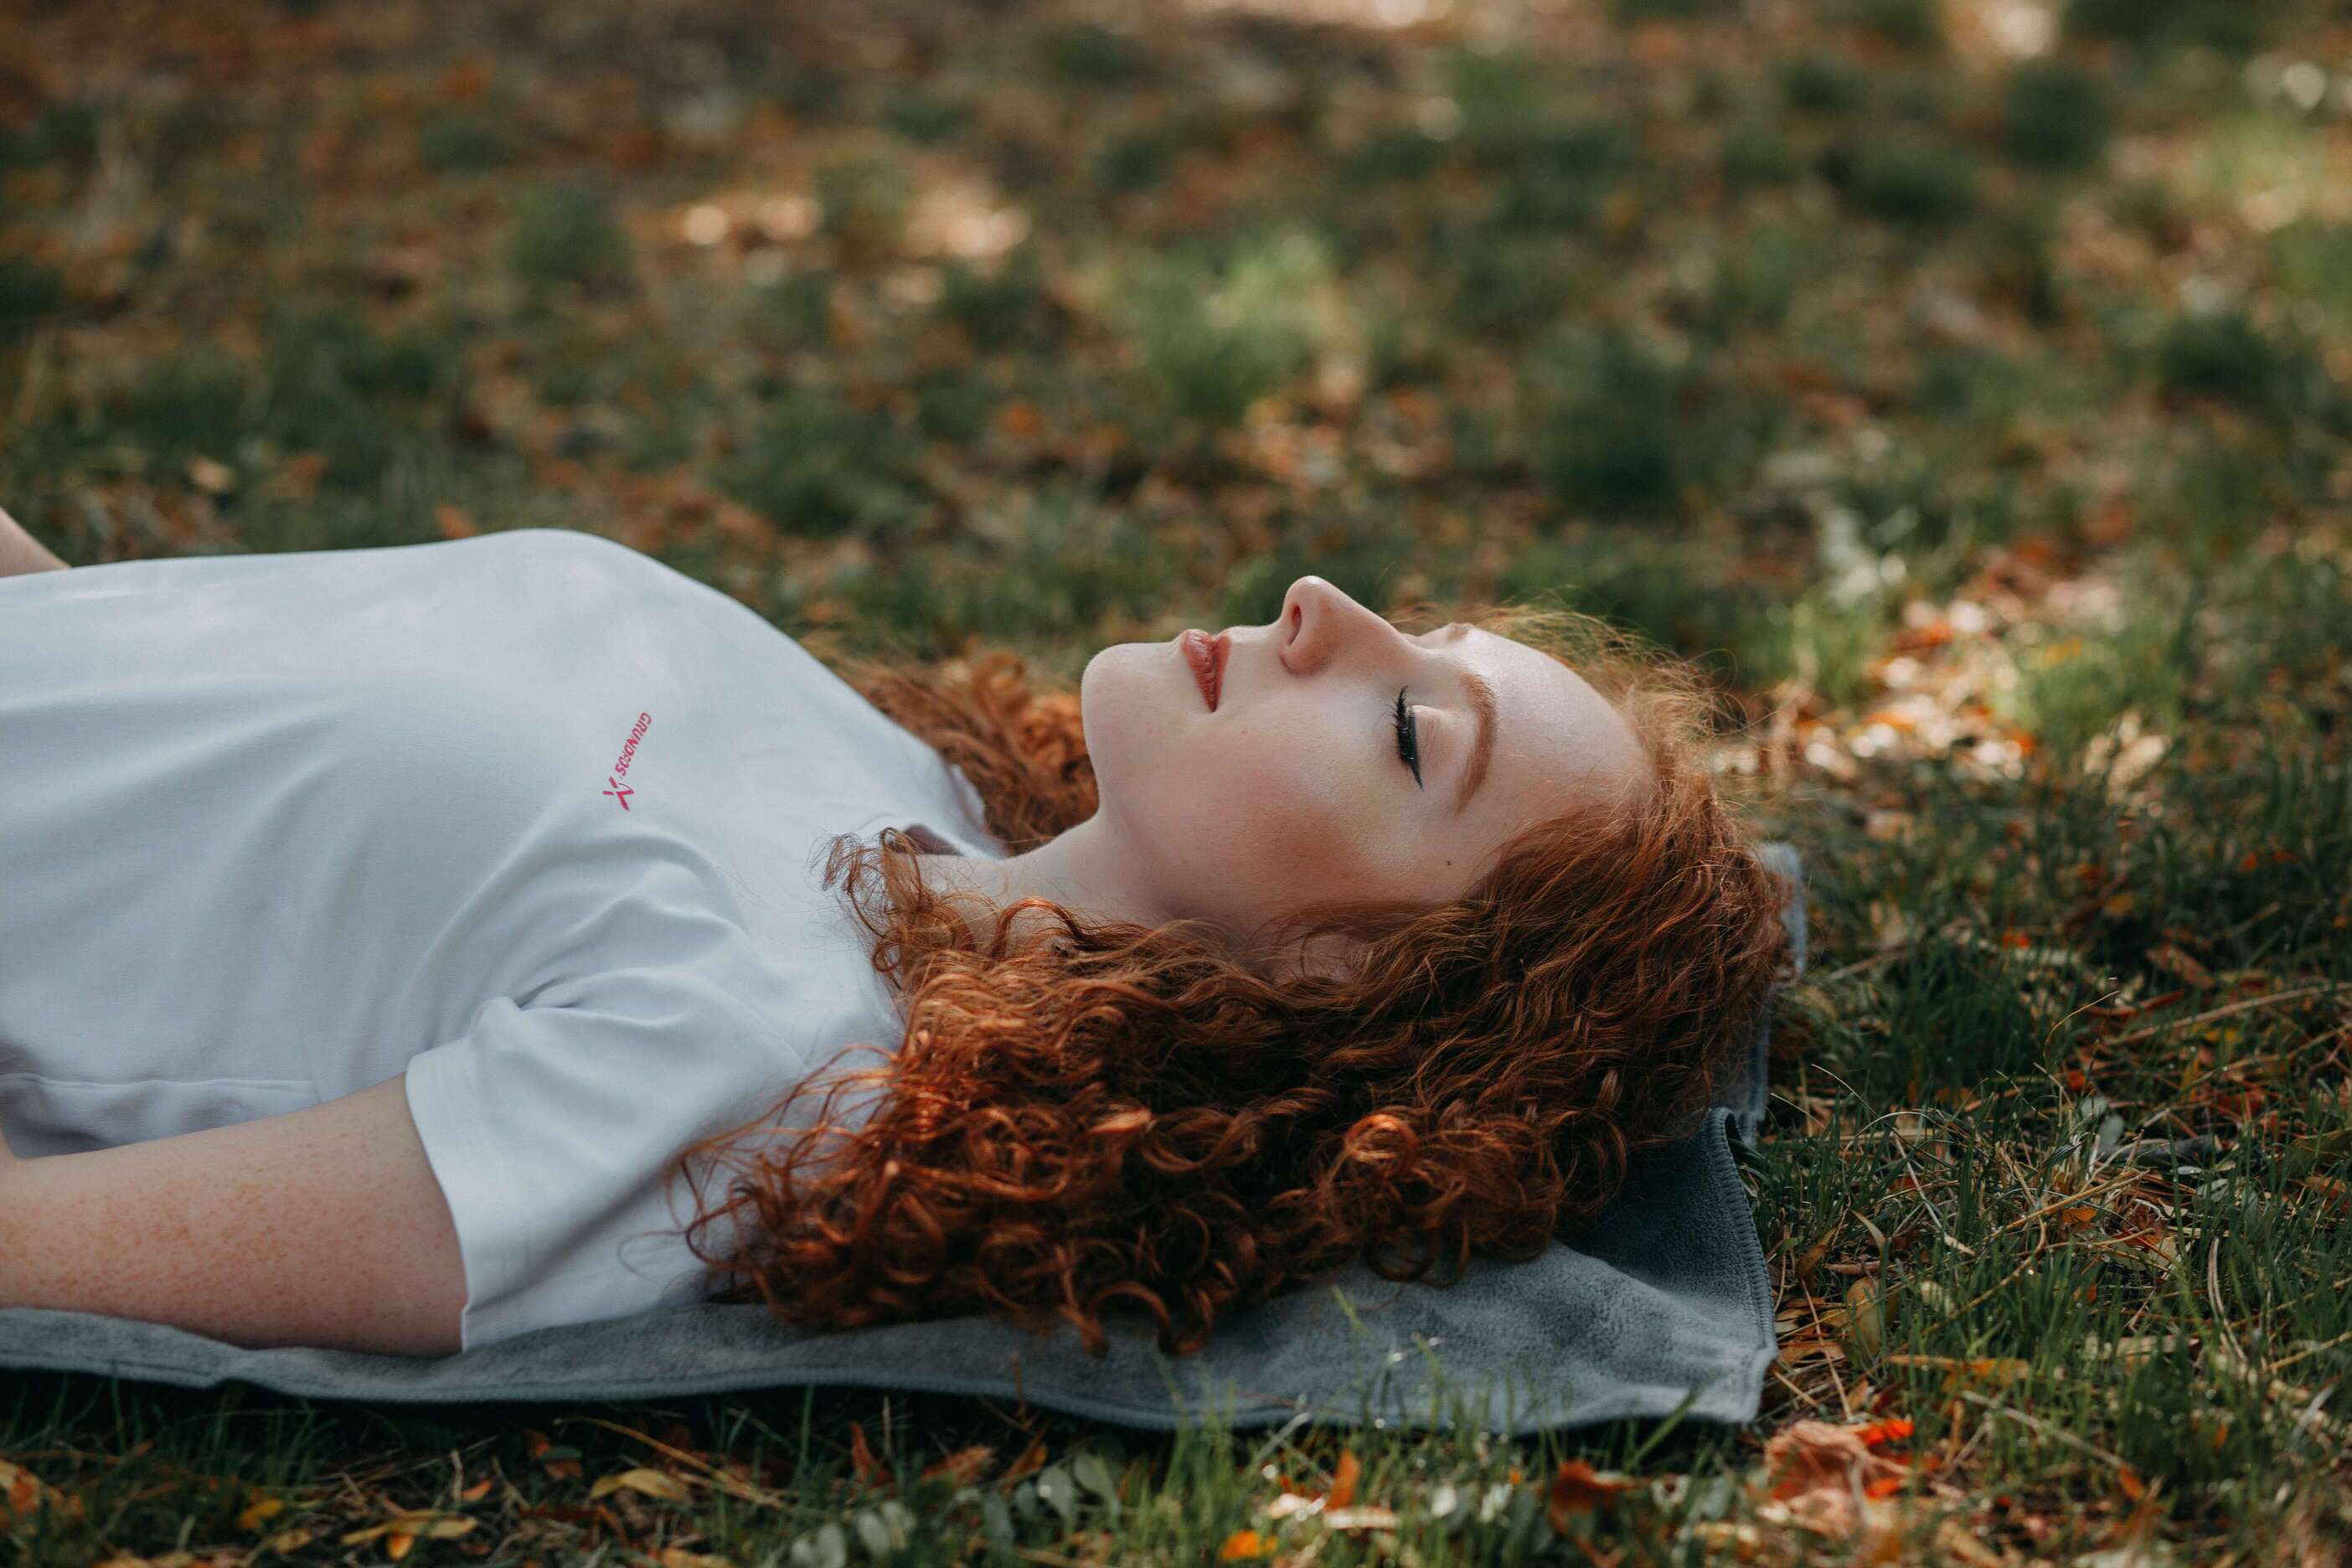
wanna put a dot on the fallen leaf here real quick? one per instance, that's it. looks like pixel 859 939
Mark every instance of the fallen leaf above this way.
pixel 1033 1458
pixel 23 1492
pixel 1825 1477
pixel 1892 1430
pixel 1577 1489
pixel 566 1468
pixel 1866 1315
pixel 1998 1371
pixel 298 477
pixel 871 1471
pixel 2169 958
pixel 964 1467
pixel 262 1509
pixel 1343 1487
pixel 407 1527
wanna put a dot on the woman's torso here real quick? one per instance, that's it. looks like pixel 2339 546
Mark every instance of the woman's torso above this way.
pixel 280 824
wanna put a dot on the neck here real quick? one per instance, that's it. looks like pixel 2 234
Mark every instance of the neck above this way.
pixel 1076 870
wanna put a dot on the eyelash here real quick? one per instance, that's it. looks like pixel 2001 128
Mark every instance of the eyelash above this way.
pixel 1408 735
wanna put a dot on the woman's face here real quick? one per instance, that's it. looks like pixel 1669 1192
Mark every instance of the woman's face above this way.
pixel 1293 791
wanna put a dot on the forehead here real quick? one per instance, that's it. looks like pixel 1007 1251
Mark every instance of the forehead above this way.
pixel 1549 685
pixel 1555 734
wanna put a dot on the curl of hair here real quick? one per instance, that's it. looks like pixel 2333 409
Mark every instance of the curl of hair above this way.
pixel 1108 1114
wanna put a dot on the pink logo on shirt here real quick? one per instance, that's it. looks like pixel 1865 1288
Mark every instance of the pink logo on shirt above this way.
pixel 620 791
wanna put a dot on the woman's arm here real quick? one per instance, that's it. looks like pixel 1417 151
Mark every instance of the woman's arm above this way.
pixel 20 552
pixel 322 1226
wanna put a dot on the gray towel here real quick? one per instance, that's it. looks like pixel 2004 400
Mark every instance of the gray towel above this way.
pixel 1664 1303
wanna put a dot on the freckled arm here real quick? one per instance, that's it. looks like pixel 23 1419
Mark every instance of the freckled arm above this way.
pixel 323 1227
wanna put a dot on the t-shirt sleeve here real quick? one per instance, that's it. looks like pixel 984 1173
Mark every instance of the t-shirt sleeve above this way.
pixel 553 1124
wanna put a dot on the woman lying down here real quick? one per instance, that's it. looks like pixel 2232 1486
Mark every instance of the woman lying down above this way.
pixel 405 949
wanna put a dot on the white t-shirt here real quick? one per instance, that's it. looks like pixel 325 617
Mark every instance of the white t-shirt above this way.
pixel 530 818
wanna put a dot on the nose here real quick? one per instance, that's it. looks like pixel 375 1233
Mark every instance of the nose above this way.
pixel 1317 619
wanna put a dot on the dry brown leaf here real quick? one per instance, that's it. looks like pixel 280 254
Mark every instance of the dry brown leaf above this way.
pixel 536 1442
pixel 871 1471
pixel 1343 1486
pixel 1866 1315
pixel 23 1492
pixel 1033 1458
pixel 964 1467
pixel 1821 1472
pixel 261 1510
pixel 2169 958
pixel 1997 1371
pixel 1577 1489
pixel 405 1528
pixel 1810 1260
pixel 298 477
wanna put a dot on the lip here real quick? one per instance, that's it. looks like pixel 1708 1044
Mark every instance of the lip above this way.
pixel 1207 656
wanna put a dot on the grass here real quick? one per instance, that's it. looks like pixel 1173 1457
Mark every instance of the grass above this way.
pixel 1977 419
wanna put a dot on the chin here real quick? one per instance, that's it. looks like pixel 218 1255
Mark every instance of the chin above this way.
pixel 1101 698
pixel 1124 712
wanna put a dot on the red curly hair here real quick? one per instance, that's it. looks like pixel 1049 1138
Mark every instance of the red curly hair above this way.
pixel 1109 1113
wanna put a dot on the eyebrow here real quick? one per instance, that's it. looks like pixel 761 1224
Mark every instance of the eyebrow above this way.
pixel 1481 747
pixel 1482 704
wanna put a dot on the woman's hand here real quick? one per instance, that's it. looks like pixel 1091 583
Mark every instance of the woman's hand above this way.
pixel 21 552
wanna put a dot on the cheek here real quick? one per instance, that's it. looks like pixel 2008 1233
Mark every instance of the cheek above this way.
pixel 1235 817
pixel 1280 811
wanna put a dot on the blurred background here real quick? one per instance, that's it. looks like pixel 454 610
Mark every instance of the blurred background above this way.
pixel 1959 380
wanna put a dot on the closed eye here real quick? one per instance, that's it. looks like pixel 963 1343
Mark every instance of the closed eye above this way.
pixel 1408 736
